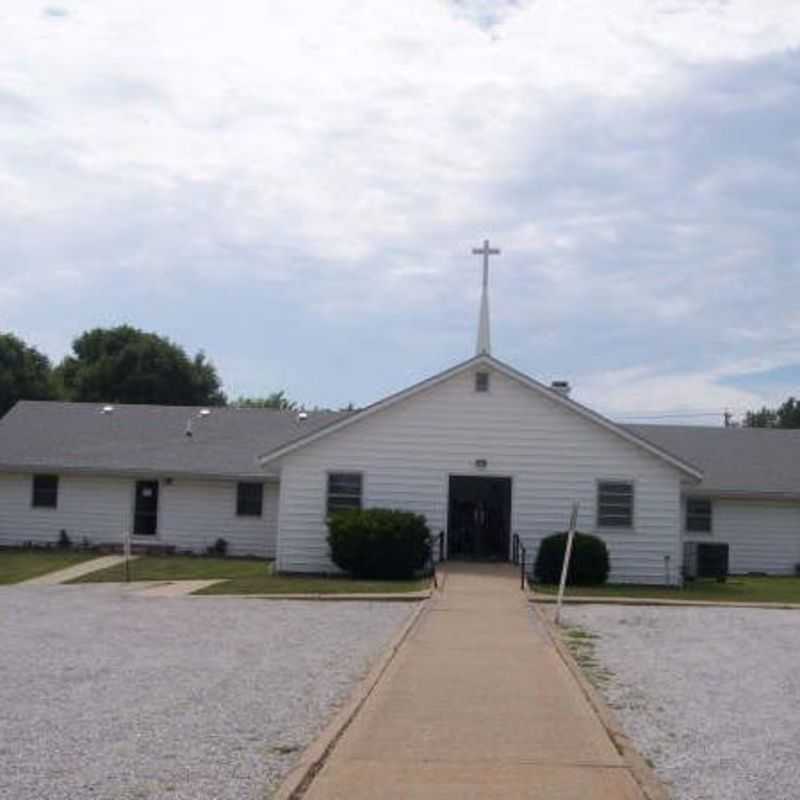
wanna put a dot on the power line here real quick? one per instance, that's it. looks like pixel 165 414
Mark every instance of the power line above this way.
pixel 675 415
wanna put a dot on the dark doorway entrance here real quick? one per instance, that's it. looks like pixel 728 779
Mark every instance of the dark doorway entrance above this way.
pixel 145 512
pixel 479 520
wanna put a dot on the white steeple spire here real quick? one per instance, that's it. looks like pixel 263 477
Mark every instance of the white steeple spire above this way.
pixel 484 346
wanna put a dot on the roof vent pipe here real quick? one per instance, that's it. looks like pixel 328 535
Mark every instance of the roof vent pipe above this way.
pixel 561 387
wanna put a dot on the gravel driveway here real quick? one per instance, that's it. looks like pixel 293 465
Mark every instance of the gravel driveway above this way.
pixel 710 695
pixel 104 694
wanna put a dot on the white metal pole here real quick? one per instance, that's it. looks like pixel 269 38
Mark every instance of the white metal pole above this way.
pixel 126 547
pixel 573 522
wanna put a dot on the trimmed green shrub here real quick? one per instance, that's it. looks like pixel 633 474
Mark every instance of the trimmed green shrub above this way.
pixel 379 543
pixel 588 566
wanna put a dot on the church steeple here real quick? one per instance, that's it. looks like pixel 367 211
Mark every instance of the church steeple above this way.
pixel 484 344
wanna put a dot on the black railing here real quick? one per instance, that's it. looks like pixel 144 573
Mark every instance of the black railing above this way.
pixel 519 555
pixel 437 541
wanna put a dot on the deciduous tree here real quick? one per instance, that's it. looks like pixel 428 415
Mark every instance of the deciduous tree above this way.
pixel 25 373
pixel 128 365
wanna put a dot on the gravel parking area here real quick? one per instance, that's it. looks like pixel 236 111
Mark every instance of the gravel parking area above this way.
pixel 710 695
pixel 105 695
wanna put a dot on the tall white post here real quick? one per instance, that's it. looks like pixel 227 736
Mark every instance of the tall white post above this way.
pixel 573 523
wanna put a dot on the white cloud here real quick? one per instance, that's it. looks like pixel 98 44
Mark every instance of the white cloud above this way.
pixel 341 160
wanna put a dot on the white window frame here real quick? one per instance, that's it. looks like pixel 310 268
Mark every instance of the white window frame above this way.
pixel 605 526
pixel 239 512
pixel 349 472
pixel 686 527
pixel 55 493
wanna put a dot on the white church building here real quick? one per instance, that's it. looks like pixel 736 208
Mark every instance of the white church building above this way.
pixel 481 449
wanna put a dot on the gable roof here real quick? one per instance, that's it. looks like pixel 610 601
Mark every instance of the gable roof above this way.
pixel 735 461
pixel 145 439
pixel 307 437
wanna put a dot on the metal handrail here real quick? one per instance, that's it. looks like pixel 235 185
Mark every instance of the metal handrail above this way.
pixel 442 555
pixel 519 555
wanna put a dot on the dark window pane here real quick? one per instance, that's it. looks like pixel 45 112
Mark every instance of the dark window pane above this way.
pixel 249 499
pixel 616 489
pixel 615 504
pixel 344 491
pixel 481 381
pixel 45 491
pixel 698 515
pixel 344 483
pixel 343 503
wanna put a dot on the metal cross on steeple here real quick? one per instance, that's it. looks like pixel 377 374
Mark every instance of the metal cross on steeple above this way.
pixel 484 345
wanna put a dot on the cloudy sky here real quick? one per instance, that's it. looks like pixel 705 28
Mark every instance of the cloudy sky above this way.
pixel 295 188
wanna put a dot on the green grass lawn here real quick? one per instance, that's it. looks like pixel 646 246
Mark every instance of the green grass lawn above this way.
pixel 19 565
pixel 737 589
pixel 164 568
pixel 299 584
pixel 243 576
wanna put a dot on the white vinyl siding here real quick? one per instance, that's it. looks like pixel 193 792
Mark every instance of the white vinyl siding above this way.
pixel 96 508
pixel 763 536
pixel 192 514
pixel 408 451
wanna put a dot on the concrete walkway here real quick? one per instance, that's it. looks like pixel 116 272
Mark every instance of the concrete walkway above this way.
pixel 177 588
pixel 76 571
pixel 476 704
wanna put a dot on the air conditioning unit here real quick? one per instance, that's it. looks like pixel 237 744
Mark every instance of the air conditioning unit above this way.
pixel 706 560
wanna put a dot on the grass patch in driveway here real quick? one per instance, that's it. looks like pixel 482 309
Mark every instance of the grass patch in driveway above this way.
pixel 175 568
pixel 581 644
pixel 737 589
pixel 244 576
pixel 20 565
pixel 300 584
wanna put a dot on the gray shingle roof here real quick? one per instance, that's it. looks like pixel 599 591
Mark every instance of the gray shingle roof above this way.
pixel 152 439
pixel 146 438
pixel 743 461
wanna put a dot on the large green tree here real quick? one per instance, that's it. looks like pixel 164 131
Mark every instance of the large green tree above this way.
pixel 786 415
pixel 128 365
pixel 25 373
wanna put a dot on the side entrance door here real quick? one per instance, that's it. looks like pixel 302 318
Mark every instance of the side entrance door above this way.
pixel 145 512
